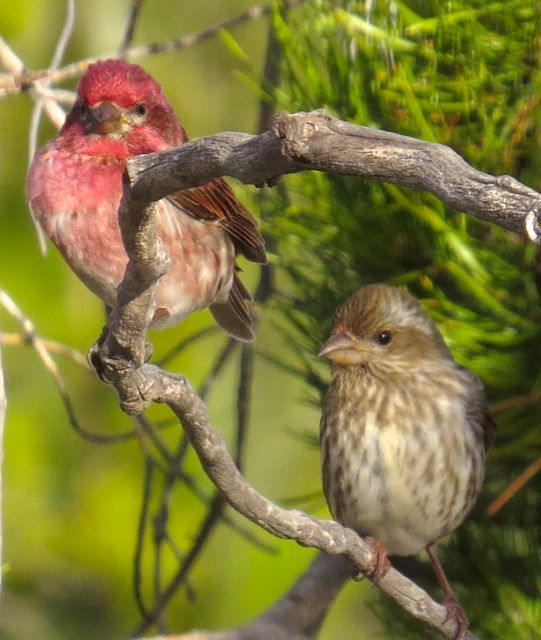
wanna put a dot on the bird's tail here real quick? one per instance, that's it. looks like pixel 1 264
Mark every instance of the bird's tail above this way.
pixel 234 315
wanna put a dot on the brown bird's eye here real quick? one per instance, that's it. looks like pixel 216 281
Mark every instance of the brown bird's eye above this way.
pixel 141 109
pixel 384 337
pixel 83 109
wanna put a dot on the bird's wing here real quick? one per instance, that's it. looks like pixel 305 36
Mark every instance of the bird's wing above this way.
pixel 234 315
pixel 489 427
pixel 216 202
pixel 478 408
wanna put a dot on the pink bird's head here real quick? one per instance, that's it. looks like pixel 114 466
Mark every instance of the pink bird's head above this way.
pixel 121 107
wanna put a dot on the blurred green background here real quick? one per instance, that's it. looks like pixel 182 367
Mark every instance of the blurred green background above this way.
pixel 462 73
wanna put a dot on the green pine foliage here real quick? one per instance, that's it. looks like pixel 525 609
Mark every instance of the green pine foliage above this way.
pixel 465 74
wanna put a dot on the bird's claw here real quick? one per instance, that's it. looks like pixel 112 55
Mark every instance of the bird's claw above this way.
pixel 98 356
pixel 94 357
pixel 381 564
pixel 456 612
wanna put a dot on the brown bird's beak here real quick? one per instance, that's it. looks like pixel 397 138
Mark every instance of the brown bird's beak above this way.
pixel 342 349
pixel 107 118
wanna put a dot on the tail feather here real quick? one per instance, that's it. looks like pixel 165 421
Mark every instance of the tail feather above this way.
pixel 234 315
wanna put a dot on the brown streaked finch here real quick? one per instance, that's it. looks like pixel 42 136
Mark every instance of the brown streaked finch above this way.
pixel 404 430
pixel 75 185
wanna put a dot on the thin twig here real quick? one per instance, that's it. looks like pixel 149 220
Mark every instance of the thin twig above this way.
pixel 18 83
pixel 140 537
pixel 300 142
pixel 61 96
pixel 130 28
pixel 516 402
pixel 244 388
pixel 24 340
pixel 161 535
pixel 187 342
pixel 40 346
pixel 216 504
pixel 179 578
pixel 55 113
pixel 219 363
pixel 244 398
pixel 151 434
pixel 513 488
pixel 271 77
pixel 237 527
pixel 173 473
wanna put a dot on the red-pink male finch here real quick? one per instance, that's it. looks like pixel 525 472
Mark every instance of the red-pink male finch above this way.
pixel 75 186
pixel 404 430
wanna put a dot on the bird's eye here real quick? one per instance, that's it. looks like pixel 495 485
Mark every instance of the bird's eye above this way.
pixel 384 337
pixel 141 109
pixel 83 109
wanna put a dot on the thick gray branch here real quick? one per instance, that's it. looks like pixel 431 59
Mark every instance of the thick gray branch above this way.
pixel 140 386
pixel 317 141
pixel 296 616
pixel 294 144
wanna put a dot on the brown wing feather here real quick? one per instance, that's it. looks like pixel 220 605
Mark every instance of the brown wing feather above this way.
pixel 478 409
pixel 215 201
pixel 489 428
pixel 233 315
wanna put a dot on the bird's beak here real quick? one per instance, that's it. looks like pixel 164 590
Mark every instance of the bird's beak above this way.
pixel 343 349
pixel 107 118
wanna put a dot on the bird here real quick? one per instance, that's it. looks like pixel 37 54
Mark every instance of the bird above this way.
pixel 404 431
pixel 74 188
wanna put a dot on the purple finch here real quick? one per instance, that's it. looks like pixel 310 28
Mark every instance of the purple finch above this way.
pixel 404 430
pixel 75 185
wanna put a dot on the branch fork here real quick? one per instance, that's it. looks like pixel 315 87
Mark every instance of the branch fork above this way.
pixel 297 142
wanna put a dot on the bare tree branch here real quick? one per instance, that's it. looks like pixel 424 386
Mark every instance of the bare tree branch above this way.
pixel 52 346
pixel 19 79
pixel 129 32
pixel 44 348
pixel 9 59
pixel 298 614
pixel 515 402
pixel 513 488
pixel 215 512
pixel 313 141
pixel 317 141
pixel 244 392
pixel 303 608
pixel 187 342
pixel 122 353
pixel 242 531
pixel 138 386
pixel 53 110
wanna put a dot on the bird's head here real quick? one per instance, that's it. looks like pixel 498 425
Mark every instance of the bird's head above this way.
pixel 122 102
pixel 383 328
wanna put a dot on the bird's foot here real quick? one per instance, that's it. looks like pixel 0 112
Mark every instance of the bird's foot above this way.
pixel 450 601
pixel 381 562
pixel 98 355
pixel 456 612
pixel 94 355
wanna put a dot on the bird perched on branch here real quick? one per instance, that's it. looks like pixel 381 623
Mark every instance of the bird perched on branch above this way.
pixel 75 186
pixel 404 430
